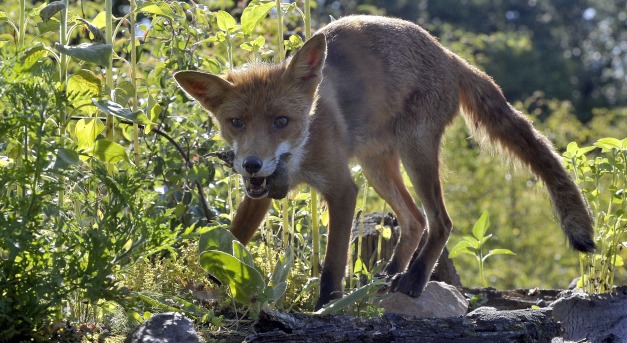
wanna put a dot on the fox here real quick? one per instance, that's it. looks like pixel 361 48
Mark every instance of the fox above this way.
pixel 377 91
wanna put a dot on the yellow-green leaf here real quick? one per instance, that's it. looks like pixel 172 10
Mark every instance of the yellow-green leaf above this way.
pixel 110 152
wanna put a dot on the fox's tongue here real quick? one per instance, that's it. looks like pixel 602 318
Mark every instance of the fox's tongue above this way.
pixel 256 187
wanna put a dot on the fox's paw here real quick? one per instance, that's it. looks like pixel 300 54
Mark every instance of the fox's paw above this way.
pixel 407 283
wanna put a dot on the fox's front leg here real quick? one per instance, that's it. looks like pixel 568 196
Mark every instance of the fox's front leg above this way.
pixel 248 217
pixel 341 204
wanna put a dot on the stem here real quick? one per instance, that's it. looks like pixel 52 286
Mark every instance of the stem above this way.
pixel 315 232
pixel 136 147
pixel 307 19
pixel 285 217
pixel 281 48
pixel 109 73
pixel 361 222
pixel 22 24
pixel 63 81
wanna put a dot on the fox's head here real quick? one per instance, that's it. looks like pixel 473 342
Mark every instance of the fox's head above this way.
pixel 263 114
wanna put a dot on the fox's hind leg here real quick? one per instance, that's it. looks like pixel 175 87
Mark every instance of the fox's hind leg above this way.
pixel 421 161
pixel 384 175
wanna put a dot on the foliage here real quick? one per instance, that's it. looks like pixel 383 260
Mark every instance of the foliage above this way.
pixel 474 245
pixel 109 192
pixel 228 260
pixel 603 180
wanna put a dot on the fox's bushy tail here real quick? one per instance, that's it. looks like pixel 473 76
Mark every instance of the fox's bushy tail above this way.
pixel 489 114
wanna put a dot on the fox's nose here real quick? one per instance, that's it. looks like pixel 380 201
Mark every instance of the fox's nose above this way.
pixel 252 164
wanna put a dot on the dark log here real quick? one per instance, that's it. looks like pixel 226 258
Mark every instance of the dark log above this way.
pixel 486 325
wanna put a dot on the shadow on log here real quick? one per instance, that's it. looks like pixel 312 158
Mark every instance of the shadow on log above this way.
pixel 486 325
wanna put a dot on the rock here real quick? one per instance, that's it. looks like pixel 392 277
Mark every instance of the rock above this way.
pixel 170 327
pixel 438 300
pixel 593 318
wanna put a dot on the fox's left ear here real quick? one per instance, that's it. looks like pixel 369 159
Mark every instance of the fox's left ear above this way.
pixel 306 65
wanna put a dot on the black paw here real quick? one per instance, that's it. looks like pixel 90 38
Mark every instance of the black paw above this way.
pixel 407 283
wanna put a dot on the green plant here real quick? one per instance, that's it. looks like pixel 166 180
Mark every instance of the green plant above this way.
pixel 475 245
pixel 603 180
pixel 222 256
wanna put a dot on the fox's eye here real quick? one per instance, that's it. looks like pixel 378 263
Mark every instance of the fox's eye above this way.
pixel 237 123
pixel 281 122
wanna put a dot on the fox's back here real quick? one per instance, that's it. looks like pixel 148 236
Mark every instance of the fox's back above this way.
pixel 375 66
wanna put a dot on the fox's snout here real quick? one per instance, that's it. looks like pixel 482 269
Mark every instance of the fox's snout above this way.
pixel 252 164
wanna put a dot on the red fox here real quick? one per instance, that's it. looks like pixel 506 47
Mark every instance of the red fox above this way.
pixel 380 91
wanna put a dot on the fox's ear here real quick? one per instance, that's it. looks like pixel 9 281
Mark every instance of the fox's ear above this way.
pixel 208 89
pixel 306 65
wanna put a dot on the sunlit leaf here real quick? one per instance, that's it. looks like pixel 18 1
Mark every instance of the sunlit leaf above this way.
pixel 609 143
pixel 244 281
pixel 351 298
pixel 481 226
pixel 86 131
pixel 461 248
pixel 253 14
pixel 84 84
pixel 226 22
pixel 216 239
pixel 110 152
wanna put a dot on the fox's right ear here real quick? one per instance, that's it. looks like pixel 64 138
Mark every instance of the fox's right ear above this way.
pixel 307 63
pixel 208 89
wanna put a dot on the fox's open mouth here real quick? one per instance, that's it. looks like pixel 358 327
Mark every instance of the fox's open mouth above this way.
pixel 256 187
pixel 274 186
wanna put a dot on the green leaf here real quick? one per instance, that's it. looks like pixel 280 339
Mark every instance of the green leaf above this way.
pixel 253 14
pixel 110 152
pixel 161 9
pixel 240 252
pixel 124 92
pixel 244 281
pixel 282 268
pixel 98 35
pixel 226 22
pixel 51 9
pixel 100 21
pixel 360 267
pixel 481 226
pixel 461 248
pixel 32 55
pixel 351 298
pixel 89 52
pixel 217 238
pixel 66 158
pixel 498 252
pixel 608 143
pixel 279 290
pixel 3 16
pixel 115 109
pixel 293 43
pixel 385 231
pixel 83 85
pixel 87 130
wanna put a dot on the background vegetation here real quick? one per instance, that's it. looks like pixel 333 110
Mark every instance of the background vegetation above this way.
pixel 107 184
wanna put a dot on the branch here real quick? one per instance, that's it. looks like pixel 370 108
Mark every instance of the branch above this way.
pixel 188 163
